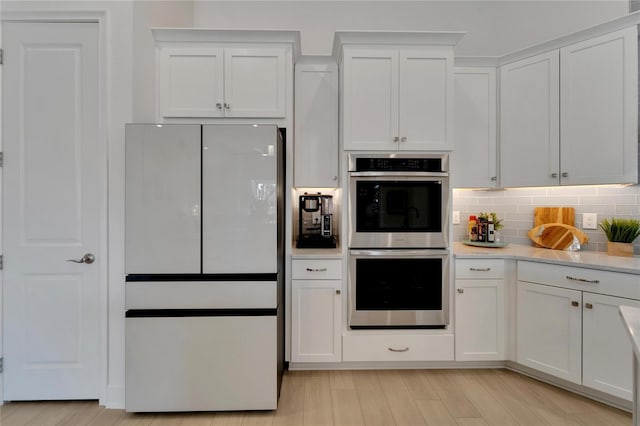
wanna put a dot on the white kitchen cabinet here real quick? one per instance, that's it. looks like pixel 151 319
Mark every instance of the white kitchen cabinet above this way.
pixel 569 116
pixel 474 160
pixel 316 310
pixel 221 82
pixel 479 310
pixel 549 330
pixel 598 110
pixel 316 123
pixel 607 352
pixel 529 121
pixel 396 90
pixel 569 326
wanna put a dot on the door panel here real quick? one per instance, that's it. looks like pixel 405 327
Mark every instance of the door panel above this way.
pixel 52 198
pixel 239 199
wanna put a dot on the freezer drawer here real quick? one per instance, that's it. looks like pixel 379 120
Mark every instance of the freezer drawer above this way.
pixel 201 363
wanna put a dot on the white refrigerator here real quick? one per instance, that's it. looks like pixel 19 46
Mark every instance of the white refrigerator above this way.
pixel 204 287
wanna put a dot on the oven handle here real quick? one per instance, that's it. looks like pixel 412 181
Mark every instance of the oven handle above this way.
pixel 400 252
pixel 399 174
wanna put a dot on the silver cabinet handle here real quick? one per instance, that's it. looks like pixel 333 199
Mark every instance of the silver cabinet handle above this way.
pixel 406 349
pixel 227 106
pixel 574 303
pixel 588 305
pixel 218 105
pixel 338 292
pixel 88 258
pixel 494 178
pixel 582 280
pixel 403 139
pixel 317 270
pixel 460 290
pixel 554 175
pixel 396 139
pixel 565 174
pixel 479 269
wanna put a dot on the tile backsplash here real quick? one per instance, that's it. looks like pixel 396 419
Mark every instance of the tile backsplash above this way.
pixel 515 207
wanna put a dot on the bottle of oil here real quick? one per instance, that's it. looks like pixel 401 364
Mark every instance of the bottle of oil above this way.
pixel 473 228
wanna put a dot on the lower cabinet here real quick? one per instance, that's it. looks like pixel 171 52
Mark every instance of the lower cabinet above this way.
pixel 316 311
pixel 398 347
pixel 479 310
pixel 569 329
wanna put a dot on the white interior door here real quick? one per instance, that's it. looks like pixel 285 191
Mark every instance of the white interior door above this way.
pixel 51 210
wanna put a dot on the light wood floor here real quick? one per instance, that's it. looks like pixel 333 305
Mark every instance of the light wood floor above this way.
pixel 387 397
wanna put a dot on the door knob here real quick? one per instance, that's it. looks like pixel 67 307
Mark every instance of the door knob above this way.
pixel 88 258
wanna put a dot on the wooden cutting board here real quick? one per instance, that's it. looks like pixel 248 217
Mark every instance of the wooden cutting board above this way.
pixel 558 236
pixel 542 215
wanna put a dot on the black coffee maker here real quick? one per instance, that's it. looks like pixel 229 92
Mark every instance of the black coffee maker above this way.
pixel 315 221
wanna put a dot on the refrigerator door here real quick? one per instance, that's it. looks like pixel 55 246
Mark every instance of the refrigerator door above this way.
pixel 162 217
pixel 239 199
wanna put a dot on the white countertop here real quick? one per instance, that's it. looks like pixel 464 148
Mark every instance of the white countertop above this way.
pixel 584 259
pixel 631 318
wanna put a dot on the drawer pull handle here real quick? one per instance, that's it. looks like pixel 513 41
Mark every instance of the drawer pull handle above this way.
pixel 317 270
pixel 582 280
pixel 399 350
pixel 588 306
pixel 574 303
pixel 338 292
pixel 460 290
pixel 479 269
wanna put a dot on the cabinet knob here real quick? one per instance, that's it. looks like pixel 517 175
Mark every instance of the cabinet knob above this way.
pixel 403 139
pixel 554 175
pixel 574 303
pixel 460 290
pixel 494 178
pixel 565 174
pixel 227 106
pixel 338 292
pixel 218 105
pixel 396 139
pixel 588 305
pixel 335 178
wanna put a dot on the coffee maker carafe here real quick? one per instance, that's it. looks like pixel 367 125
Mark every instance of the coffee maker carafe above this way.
pixel 315 221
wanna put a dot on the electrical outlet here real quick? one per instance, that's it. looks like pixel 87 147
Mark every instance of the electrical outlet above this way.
pixel 589 221
pixel 456 217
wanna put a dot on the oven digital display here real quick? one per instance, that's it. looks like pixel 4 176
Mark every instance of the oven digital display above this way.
pixel 399 165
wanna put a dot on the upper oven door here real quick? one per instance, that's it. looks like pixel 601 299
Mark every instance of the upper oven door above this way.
pixel 398 210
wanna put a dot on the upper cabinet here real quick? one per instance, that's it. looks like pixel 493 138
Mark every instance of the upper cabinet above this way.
pixel 569 116
pixel 474 160
pixel 396 90
pixel 316 123
pixel 224 73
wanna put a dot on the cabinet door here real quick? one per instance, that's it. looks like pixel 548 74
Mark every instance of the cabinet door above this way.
pixel 370 99
pixel 255 82
pixel 607 352
pixel 480 319
pixel 162 215
pixel 190 82
pixel 316 126
pixel 239 199
pixel 316 321
pixel 529 121
pixel 425 99
pixel 599 79
pixel 474 158
pixel 549 335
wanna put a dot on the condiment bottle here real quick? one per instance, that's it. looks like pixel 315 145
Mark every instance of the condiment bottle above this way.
pixel 473 228
pixel 491 237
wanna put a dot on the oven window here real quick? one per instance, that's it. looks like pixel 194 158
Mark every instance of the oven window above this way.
pixel 398 284
pixel 405 206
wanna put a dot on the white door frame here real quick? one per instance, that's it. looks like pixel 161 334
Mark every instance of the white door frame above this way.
pixel 99 17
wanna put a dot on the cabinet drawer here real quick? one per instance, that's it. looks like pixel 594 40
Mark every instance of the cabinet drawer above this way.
pixel 583 279
pixel 479 269
pixel 316 269
pixel 397 348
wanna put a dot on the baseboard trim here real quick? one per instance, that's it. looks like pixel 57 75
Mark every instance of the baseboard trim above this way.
pixel 378 365
pixel 115 397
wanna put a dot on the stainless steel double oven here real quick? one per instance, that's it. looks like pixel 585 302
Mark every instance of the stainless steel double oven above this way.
pixel 398 240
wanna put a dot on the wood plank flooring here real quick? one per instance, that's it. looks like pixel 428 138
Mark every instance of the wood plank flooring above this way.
pixel 364 397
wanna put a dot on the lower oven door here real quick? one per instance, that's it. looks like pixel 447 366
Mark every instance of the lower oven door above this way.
pixel 398 289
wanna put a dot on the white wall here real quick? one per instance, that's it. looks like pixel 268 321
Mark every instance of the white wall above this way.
pixel 493 27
